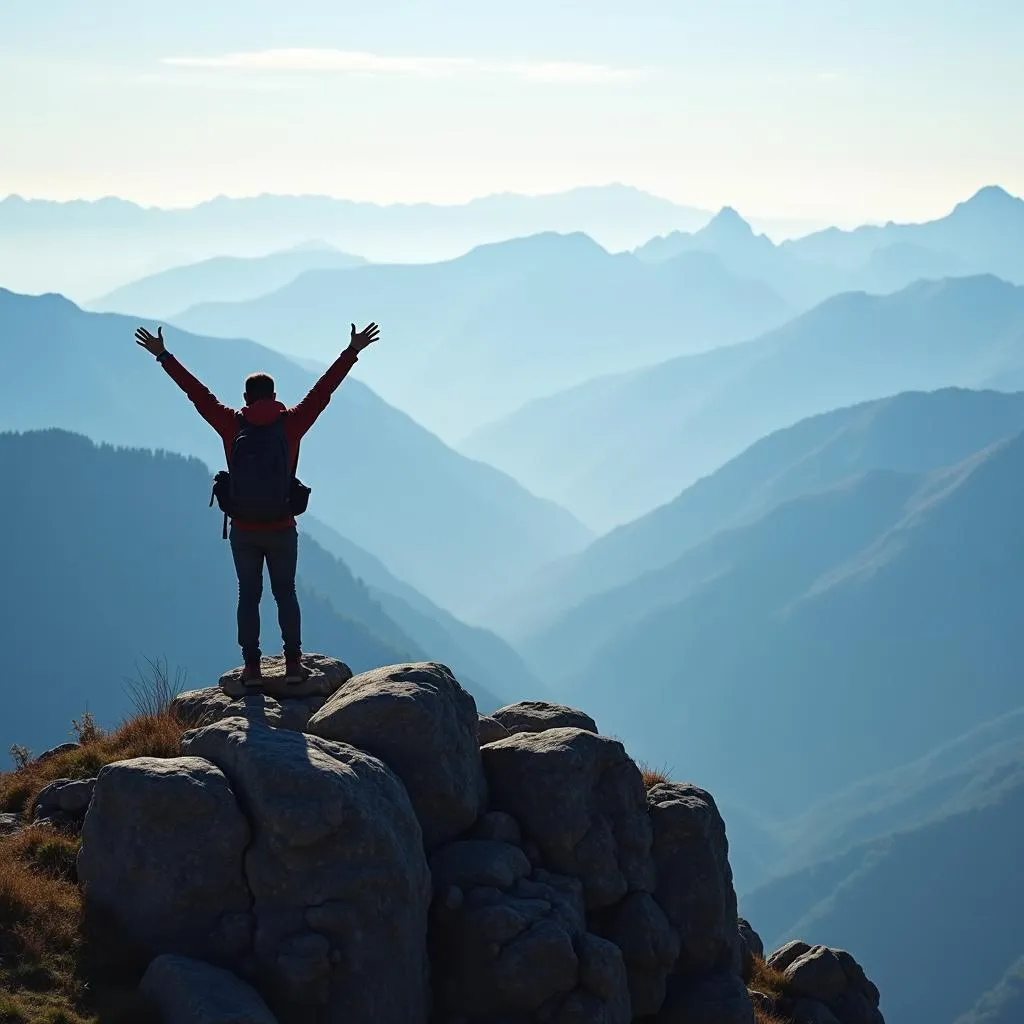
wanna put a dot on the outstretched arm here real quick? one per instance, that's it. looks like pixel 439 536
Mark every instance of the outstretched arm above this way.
pixel 305 414
pixel 218 415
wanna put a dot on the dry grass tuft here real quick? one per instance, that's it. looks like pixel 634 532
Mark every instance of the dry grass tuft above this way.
pixel 44 851
pixel 652 776
pixel 59 965
pixel 40 929
pixel 156 735
pixel 153 689
pixel 54 966
pixel 773 984
pixel 767 980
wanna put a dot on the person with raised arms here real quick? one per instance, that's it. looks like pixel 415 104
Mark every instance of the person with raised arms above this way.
pixel 260 491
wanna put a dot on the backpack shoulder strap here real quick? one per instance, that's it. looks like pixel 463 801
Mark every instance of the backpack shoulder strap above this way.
pixel 295 465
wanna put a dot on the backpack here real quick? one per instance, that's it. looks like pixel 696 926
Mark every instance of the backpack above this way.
pixel 260 485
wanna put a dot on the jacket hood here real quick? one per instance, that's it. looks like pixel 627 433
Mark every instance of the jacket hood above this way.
pixel 263 411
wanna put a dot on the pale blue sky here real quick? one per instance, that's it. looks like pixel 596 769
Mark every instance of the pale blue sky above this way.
pixel 822 109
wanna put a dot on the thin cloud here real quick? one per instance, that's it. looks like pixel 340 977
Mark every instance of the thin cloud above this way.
pixel 357 63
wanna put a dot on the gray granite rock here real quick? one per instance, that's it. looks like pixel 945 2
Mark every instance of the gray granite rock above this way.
pixel 186 991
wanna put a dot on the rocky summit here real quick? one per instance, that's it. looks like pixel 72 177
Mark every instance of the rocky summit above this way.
pixel 371 851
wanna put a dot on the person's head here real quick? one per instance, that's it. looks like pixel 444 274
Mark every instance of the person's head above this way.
pixel 257 386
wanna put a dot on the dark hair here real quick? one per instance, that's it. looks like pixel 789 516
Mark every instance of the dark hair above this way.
pixel 259 385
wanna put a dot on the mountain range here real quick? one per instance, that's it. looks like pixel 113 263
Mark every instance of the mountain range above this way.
pixel 1003 1003
pixel 878 575
pixel 473 338
pixel 912 432
pixel 112 567
pixel 614 448
pixel 454 529
pixel 981 235
pixel 754 505
pixel 51 246
pixel 478 653
pixel 47 246
pixel 220 279
pixel 751 256
pixel 938 855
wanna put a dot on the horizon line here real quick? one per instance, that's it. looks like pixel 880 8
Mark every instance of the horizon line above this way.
pixel 812 224
pixel 500 194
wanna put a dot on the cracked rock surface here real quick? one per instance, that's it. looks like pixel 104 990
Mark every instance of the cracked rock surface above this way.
pixel 197 708
pixel 339 881
pixel 581 799
pixel 539 715
pixel 189 991
pixel 162 852
pixel 695 888
pixel 357 855
pixel 511 944
pixel 423 725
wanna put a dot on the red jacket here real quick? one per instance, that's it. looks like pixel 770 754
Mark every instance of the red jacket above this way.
pixel 266 410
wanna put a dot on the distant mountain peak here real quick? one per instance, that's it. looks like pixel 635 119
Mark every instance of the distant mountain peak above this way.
pixel 727 224
pixel 992 193
pixel 990 199
pixel 46 300
pixel 729 215
pixel 726 231
pixel 563 245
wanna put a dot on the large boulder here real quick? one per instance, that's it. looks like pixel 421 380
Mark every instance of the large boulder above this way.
pixel 649 945
pixel 518 950
pixel 186 991
pixel 162 850
pixel 423 725
pixel 580 798
pixel 71 796
pixel 490 730
pixel 339 880
pixel 196 708
pixel 819 976
pixel 325 676
pixel 718 998
pixel 787 954
pixel 63 803
pixel 695 887
pixel 538 715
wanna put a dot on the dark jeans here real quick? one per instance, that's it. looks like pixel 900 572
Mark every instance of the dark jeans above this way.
pixel 249 548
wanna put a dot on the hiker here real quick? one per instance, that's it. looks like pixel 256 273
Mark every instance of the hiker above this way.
pixel 261 443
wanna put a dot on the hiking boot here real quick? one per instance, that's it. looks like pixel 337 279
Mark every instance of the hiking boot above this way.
pixel 294 671
pixel 252 675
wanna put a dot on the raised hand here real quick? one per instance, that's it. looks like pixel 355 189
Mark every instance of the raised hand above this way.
pixel 154 345
pixel 364 338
